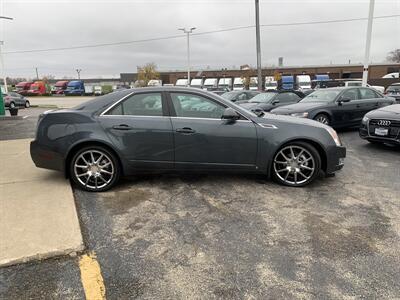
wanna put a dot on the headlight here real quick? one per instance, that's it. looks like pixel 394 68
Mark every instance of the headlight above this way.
pixel 334 135
pixel 365 119
pixel 300 115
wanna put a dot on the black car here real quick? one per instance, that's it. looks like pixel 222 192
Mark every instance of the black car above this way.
pixel 13 99
pixel 337 107
pixel 270 100
pixel 180 129
pixel 393 90
pixel 239 95
pixel 382 125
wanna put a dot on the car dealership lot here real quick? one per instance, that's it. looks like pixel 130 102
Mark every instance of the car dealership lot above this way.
pixel 226 236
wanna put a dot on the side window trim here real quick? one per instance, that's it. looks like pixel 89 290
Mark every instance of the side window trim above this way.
pixel 165 112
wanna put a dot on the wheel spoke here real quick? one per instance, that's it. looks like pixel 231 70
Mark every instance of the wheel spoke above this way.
pixel 281 170
pixel 105 165
pixel 95 182
pixel 83 174
pixel 87 180
pixel 287 174
pixel 284 156
pixel 307 168
pixel 84 159
pixel 99 159
pixel 92 156
pixel 280 162
pixel 295 177
pixel 301 173
pixel 292 153
pixel 80 166
pixel 107 172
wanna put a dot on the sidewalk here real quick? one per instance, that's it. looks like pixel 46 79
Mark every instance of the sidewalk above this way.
pixel 38 217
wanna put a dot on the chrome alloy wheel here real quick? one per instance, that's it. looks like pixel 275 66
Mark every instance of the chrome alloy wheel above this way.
pixel 294 165
pixel 322 119
pixel 94 169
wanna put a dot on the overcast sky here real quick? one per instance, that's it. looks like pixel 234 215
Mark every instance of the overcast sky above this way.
pixel 61 23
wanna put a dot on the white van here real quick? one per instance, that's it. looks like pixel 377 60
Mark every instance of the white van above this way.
pixel 238 84
pixel 270 83
pixel 154 82
pixel 181 82
pixel 196 83
pixel 253 84
pixel 210 83
pixel 303 82
pixel 225 83
pixel 359 83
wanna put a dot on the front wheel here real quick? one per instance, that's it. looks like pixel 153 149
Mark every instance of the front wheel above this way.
pixel 12 105
pixel 27 104
pixel 322 118
pixel 94 169
pixel 296 164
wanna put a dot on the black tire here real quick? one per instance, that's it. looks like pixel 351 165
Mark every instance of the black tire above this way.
pixel 27 104
pixel 94 183
pixel 283 171
pixel 323 118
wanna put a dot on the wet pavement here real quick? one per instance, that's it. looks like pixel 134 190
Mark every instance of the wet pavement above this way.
pixel 237 237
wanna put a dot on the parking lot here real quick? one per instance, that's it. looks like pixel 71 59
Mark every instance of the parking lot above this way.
pixel 232 236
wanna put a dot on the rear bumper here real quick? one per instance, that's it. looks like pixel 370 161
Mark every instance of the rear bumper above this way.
pixel 45 158
pixel 335 159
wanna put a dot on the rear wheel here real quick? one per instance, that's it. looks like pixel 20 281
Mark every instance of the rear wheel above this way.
pixel 296 164
pixel 27 104
pixel 94 169
pixel 12 105
pixel 322 118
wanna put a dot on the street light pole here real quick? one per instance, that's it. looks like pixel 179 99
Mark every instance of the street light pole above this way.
pixel 258 42
pixel 368 42
pixel 1 58
pixel 188 32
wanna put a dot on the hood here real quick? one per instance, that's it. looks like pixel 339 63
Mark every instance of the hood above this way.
pixel 387 112
pixel 292 120
pixel 298 107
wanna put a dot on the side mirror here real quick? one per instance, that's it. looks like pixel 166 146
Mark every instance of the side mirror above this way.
pixel 343 100
pixel 276 101
pixel 230 114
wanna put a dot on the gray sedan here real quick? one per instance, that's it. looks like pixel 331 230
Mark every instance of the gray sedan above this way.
pixel 175 129
pixel 13 100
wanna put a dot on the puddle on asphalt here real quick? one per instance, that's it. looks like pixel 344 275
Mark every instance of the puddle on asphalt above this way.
pixel 121 202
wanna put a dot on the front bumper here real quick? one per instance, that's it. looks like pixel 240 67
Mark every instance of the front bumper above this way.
pixel 335 159
pixel 392 139
pixel 45 158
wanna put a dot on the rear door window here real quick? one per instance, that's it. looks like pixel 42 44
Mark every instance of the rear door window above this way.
pixel 149 104
pixel 351 94
pixel 368 94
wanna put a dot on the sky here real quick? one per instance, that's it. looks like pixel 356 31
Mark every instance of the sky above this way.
pixel 60 23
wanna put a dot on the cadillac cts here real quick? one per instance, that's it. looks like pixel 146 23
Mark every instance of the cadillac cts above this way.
pixel 180 129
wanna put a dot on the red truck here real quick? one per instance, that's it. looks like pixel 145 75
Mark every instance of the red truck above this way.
pixel 59 87
pixel 23 87
pixel 38 88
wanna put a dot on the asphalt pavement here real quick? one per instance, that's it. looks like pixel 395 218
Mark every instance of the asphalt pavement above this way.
pixel 235 237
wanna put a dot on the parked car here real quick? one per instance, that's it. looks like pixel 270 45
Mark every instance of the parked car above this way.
pixel 382 125
pixel 238 84
pixel 253 84
pixel 239 95
pixel 155 82
pixel 393 90
pixel 98 90
pixel 270 100
pixel 196 83
pixel 75 88
pixel 38 88
pixel 12 100
pixel 22 88
pixel 59 87
pixel 392 75
pixel 359 83
pixel 210 83
pixel 337 107
pixel 303 82
pixel 225 83
pixel 287 82
pixel 270 83
pixel 218 90
pixel 181 82
pixel 133 131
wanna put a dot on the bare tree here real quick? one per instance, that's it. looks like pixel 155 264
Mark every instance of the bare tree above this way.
pixel 394 56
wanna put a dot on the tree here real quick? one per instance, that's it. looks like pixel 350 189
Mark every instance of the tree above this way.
pixel 394 56
pixel 146 73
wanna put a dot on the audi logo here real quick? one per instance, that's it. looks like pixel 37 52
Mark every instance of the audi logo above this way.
pixel 384 123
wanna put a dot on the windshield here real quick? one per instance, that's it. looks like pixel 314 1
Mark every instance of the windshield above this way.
pixel 262 98
pixel 229 95
pixel 34 87
pixel 322 96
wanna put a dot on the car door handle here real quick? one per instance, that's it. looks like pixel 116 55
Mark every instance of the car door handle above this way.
pixel 122 127
pixel 185 130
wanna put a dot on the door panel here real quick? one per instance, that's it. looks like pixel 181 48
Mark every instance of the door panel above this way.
pixel 145 140
pixel 347 113
pixel 204 140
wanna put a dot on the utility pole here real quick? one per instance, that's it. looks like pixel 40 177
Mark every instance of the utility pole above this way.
pixel 368 42
pixel 188 32
pixel 258 42
pixel 79 73
pixel 1 58
pixel 37 73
